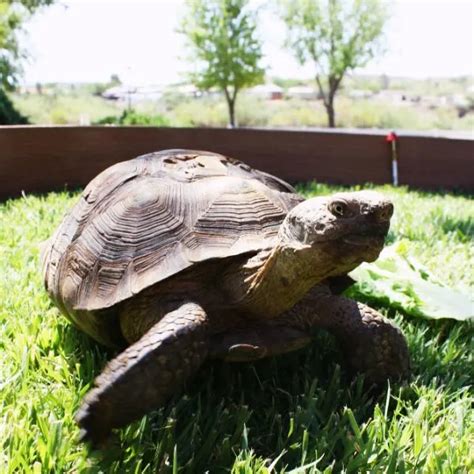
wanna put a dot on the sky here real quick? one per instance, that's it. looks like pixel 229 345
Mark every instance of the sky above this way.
pixel 88 40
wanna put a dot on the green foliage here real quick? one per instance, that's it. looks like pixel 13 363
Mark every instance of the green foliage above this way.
pixel 132 117
pixel 337 36
pixel 202 112
pixel 8 114
pixel 285 83
pixel 222 39
pixel 13 13
pixel 255 112
pixel 211 112
pixel 56 106
pixel 373 114
pixel 76 104
pixel 298 113
pixel 295 412
pixel 10 53
pixel 397 280
pixel 30 5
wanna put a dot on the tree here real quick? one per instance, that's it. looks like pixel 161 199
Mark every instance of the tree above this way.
pixel 222 38
pixel 8 114
pixel 337 35
pixel 13 14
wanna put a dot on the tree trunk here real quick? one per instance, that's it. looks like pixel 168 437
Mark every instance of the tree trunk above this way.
pixel 328 97
pixel 333 86
pixel 331 113
pixel 231 107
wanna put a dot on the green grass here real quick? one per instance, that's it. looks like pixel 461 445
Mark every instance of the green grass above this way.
pixel 273 416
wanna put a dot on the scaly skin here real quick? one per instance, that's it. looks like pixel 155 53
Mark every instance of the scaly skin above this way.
pixel 372 344
pixel 146 374
pixel 152 369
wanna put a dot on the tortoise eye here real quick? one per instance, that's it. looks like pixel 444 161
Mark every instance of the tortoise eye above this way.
pixel 293 220
pixel 338 208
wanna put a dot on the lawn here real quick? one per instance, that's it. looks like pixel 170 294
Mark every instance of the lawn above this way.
pixel 294 413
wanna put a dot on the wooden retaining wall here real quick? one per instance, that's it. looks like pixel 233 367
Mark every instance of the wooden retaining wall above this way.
pixel 39 159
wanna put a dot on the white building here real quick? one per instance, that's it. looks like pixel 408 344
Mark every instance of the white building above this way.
pixel 302 92
pixel 267 91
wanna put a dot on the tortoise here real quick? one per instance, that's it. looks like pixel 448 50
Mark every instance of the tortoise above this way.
pixel 187 255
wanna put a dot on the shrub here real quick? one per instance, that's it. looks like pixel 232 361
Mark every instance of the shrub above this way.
pixel 253 112
pixel 131 117
pixel 59 116
pixel 203 112
pixel 297 113
pixel 65 106
pixel 8 114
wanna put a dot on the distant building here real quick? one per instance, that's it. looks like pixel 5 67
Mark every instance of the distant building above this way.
pixel 360 94
pixel 394 97
pixel 133 94
pixel 267 91
pixel 189 90
pixel 302 92
pixel 118 92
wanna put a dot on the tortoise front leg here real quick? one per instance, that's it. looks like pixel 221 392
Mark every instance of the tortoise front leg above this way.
pixel 372 344
pixel 146 374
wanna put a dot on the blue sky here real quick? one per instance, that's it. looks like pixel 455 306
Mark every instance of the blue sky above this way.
pixel 88 40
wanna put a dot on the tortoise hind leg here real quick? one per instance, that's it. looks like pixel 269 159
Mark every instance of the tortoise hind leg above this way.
pixel 146 374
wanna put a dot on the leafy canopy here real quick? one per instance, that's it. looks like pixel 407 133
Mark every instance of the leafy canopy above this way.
pixel 13 14
pixel 225 48
pixel 8 114
pixel 337 35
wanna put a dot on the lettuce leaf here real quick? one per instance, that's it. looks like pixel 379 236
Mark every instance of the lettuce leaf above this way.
pixel 399 281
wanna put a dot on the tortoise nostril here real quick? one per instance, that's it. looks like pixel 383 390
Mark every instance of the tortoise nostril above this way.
pixel 384 212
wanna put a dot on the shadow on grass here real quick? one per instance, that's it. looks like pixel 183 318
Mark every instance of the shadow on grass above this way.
pixel 295 406
pixel 289 405
pixel 463 227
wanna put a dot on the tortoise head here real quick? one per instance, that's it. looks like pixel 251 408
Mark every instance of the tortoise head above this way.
pixel 345 229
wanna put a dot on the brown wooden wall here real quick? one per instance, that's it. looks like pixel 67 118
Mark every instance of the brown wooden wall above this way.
pixel 38 159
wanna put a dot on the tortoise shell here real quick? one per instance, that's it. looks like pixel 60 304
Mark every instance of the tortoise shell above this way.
pixel 142 221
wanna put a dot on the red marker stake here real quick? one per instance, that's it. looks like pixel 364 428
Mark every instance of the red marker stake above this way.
pixel 392 139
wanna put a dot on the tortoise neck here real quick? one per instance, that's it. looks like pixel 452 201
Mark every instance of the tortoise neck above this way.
pixel 273 280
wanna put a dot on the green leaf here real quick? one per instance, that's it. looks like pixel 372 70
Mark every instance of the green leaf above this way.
pixel 398 280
